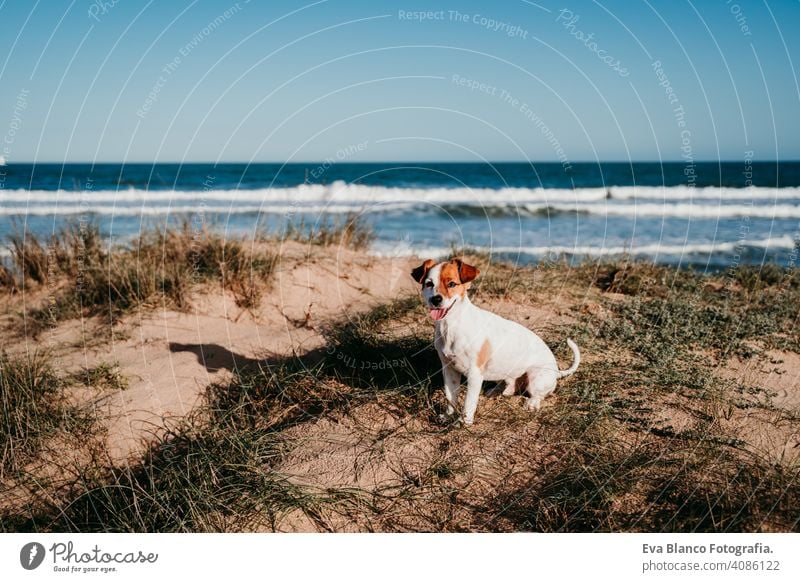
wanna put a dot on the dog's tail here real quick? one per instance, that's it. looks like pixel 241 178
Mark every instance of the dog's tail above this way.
pixel 576 360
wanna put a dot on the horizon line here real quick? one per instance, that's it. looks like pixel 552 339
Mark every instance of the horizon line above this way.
pixel 398 162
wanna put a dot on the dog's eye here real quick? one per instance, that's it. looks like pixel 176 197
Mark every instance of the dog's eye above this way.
pixel 429 284
pixel 451 284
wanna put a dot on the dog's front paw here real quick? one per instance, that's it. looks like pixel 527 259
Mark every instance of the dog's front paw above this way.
pixel 448 417
pixel 449 423
pixel 533 404
pixel 468 421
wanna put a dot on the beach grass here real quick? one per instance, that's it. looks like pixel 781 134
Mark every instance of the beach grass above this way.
pixel 212 471
pixel 350 231
pixel 33 409
pixel 105 375
pixel 86 277
pixel 644 437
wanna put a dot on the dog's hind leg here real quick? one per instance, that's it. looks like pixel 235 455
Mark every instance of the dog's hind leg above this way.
pixel 540 384
pixel 511 387
pixel 514 385
pixel 452 386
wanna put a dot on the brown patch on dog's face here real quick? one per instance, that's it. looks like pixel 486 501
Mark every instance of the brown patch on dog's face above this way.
pixel 484 354
pixel 455 278
pixel 449 281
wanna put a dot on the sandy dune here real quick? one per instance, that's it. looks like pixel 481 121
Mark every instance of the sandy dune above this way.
pixel 170 357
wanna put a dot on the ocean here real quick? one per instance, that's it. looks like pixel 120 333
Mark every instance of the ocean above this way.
pixel 704 215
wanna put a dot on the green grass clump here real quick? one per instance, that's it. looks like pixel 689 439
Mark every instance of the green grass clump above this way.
pixel 32 408
pixel 621 466
pixel 366 352
pixel 351 232
pixel 159 266
pixel 104 376
pixel 213 471
pixel 67 253
pixel 686 312
pixel 8 282
pixel 276 396
pixel 758 278
pixel 616 468
pixel 200 478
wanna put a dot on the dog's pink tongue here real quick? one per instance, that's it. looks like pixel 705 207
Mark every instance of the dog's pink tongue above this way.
pixel 438 314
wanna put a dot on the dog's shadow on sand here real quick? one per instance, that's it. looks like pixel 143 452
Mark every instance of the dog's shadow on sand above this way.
pixel 215 357
pixel 386 367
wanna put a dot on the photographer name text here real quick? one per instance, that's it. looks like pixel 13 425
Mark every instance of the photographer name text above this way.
pixel 736 550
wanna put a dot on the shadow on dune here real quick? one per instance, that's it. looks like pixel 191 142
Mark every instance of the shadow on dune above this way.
pixel 214 356
pixel 215 470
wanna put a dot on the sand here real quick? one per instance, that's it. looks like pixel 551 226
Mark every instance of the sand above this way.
pixel 170 357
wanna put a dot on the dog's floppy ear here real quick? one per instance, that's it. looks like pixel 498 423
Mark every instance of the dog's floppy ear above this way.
pixel 466 272
pixel 419 273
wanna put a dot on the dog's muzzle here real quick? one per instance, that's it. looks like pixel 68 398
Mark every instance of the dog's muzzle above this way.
pixel 438 313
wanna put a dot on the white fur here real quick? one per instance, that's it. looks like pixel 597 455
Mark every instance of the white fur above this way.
pixel 514 351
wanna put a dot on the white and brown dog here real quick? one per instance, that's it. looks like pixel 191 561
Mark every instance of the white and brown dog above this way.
pixel 481 345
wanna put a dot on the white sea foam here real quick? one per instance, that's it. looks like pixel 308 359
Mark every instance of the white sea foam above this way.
pixel 286 209
pixel 644 210
pixel 680 210
pixel 339 197
pixel 357 194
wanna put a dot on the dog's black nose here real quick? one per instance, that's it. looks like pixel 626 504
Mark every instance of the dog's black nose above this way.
pixel 436 300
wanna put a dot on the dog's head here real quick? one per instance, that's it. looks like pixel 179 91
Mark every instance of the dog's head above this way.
pixel 444 284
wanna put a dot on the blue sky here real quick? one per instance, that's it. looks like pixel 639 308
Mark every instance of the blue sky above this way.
pixel 368 81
